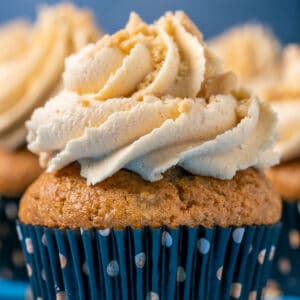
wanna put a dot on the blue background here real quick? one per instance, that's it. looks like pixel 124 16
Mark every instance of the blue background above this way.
pixel 212 16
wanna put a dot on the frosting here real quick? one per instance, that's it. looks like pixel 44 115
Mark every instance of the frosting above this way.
pixel 285 99
pixel 32 61
pixel 148 98
pixel 273 74
pixel 250 51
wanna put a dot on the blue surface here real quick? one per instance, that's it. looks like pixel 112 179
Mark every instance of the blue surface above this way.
pixel 213 16
pixel 12 290
pixel 17 290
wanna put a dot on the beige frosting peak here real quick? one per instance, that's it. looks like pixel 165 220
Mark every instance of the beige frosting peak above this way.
pixel 272 73
pixel 249 50
pixel 147 98
pixel 165 58
pixel 32 61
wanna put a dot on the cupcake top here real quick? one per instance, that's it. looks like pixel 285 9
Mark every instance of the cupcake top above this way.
pixel 274 74
pixel 146 99
pixel 250 50
pixel 284 96
pixel 63 199
pixel 32 61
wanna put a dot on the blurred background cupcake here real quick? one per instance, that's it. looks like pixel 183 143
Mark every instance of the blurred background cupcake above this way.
pixel 31 63
pixel 274 73
pixel 153 189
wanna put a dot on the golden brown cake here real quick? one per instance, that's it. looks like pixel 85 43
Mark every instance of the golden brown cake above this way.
pixel 18 169
pixel 63 199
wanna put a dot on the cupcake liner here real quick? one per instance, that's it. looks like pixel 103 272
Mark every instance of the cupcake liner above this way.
pixel 164 263
pixel 12 264
pixel 286 268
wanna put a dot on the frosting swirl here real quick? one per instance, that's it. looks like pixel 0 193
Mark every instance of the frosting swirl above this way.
pixel 30 70
pixel 146 99
pixel 285 100
pixel 274 74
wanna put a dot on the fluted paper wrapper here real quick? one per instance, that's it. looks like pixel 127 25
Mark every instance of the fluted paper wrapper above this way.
pixel 12 265
pixel 286 268
pixel 164 263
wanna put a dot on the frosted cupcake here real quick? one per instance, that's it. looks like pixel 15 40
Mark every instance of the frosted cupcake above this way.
pixel 285 99
pixel 277 81
pixel 31 64
pixel 153 187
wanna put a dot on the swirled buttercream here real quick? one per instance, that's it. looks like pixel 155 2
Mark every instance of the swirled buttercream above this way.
pixel 32 61
pixel 147 98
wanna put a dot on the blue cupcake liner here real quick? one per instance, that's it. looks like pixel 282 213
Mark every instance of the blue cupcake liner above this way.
pixel 165 263
pixel 286 268
pixel 12 263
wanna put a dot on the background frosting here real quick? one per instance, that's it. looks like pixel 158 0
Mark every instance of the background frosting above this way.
pixel 32 61
pixel 146 99
pixel 273 73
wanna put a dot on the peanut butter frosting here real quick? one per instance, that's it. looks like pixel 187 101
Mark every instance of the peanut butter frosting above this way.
pixel 148 98
pixel 273 73
pixel 249 50
pixel 32 61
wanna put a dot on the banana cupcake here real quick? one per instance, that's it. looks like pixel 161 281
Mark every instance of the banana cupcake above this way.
pixel 153 188
pixel 277 81
pixel 31 65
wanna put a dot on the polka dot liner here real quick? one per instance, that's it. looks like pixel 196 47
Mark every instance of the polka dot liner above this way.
pixel 12 263
pixel 285 273
pixel 154 264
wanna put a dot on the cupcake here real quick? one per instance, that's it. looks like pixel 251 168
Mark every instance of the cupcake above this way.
pixel 153 188
pixel 31 64
pixel 282 90
pixel 285 177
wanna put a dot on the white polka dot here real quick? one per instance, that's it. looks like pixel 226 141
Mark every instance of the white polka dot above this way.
pixel 29 270
pixel 62 260
pixel 166 239
pixel 236 290
pixel 18 258
pixel 43 275
pixel 104 232
pixel 140 260
pixel 19 233
pixel 152 296
pixel 294 239
pixel 4 230
pixel 61 295
pixel 181 275
pixel 113 268
pixel 253 295
pixel 29 246
pixel 44 240
pixel 203 246
pixel 81 231
pixel 238 234
pixel 85 268
pixel 250 248
pixel 298 206
pixel 261 256
pixel 272 253
pixel 11 211
pixel 220 273
pixel 273 289
pixel 28 294
pixel 284 265
pixel 6 273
